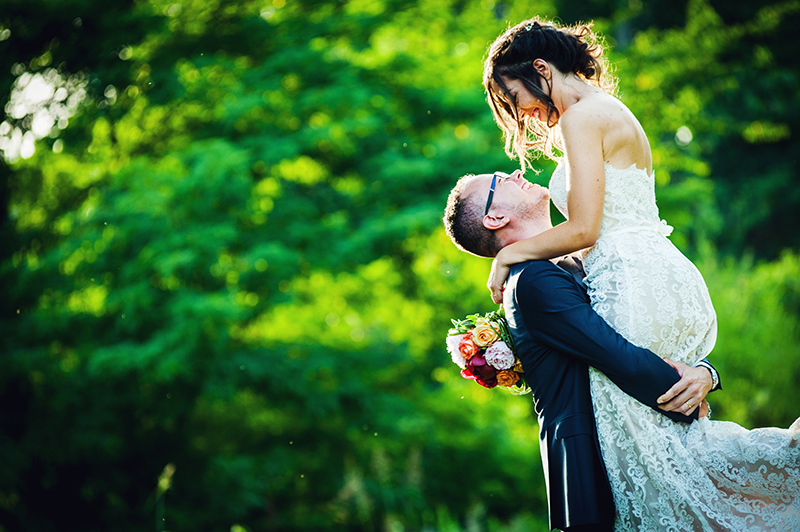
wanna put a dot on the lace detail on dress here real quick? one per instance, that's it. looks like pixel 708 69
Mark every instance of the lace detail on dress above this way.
pixel 630 201
pixel 710 475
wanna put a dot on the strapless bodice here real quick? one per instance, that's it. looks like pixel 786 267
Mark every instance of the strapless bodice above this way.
pixel 629 204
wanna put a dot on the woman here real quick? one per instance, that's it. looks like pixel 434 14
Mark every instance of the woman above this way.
pixel 544 85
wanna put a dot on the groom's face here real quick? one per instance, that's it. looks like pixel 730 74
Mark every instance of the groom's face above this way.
pixel 513 192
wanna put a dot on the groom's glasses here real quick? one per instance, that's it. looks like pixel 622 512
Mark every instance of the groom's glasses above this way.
pixel 491 190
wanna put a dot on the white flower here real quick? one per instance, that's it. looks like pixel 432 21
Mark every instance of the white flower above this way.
pixel 499 356
pixel 455 354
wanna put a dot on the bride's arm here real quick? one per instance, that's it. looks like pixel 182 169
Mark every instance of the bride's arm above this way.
pixel 583 148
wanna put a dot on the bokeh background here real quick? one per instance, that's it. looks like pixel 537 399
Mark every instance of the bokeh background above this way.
pixel 225 281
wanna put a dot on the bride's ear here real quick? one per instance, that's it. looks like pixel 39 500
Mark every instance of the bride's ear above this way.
pixel 542 67
pixel 493 222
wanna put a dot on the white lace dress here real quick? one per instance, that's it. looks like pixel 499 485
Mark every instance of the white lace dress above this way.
pixel 710 475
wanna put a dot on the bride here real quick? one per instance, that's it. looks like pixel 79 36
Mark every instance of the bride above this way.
pixel 544 87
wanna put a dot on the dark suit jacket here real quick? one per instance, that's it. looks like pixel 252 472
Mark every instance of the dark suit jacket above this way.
pixel 557 336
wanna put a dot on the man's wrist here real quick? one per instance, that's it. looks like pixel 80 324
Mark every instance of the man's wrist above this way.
pixel 713 372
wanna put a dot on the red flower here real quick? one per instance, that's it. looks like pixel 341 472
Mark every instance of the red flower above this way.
pixel 478 370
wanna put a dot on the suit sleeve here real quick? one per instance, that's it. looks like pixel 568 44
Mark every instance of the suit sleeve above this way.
pixel 557 313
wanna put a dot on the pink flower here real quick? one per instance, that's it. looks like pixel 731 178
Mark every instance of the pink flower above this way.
pixel 500 356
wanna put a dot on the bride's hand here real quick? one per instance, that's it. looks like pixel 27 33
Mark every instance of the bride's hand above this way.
pixel 497 278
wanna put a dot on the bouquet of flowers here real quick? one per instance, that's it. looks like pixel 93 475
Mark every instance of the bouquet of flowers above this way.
pixel 482 347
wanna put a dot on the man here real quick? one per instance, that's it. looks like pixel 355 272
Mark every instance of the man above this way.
pixel 557 336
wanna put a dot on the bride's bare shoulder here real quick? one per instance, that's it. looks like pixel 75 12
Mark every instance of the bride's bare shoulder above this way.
pixel 600 110
pixel 594 111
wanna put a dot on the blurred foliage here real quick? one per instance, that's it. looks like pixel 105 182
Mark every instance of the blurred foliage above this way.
pixel 758 347
pixel 227 286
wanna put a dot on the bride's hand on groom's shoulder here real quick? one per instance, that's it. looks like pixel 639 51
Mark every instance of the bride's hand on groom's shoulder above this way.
pixel 689 392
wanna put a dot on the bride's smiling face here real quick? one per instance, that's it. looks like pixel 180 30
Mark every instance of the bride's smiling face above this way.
pixel 527 103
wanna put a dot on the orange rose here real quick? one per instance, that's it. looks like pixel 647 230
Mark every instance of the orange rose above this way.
pixel 467 347
pixel 483 334
pixel 507 378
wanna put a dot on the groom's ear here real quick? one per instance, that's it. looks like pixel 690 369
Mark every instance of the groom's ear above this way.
pixel 496 221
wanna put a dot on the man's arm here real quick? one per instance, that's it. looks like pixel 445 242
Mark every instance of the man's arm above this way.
pixel 689 392
pixel 558 314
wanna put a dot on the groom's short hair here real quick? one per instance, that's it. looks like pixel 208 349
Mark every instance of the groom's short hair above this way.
pixel 463 221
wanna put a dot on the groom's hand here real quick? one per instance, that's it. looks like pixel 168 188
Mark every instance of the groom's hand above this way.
pixel 689 392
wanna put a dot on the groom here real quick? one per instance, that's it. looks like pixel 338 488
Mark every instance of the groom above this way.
pixel 557 336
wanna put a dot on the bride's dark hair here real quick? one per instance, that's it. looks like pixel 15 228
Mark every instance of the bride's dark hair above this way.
pixel 577 50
